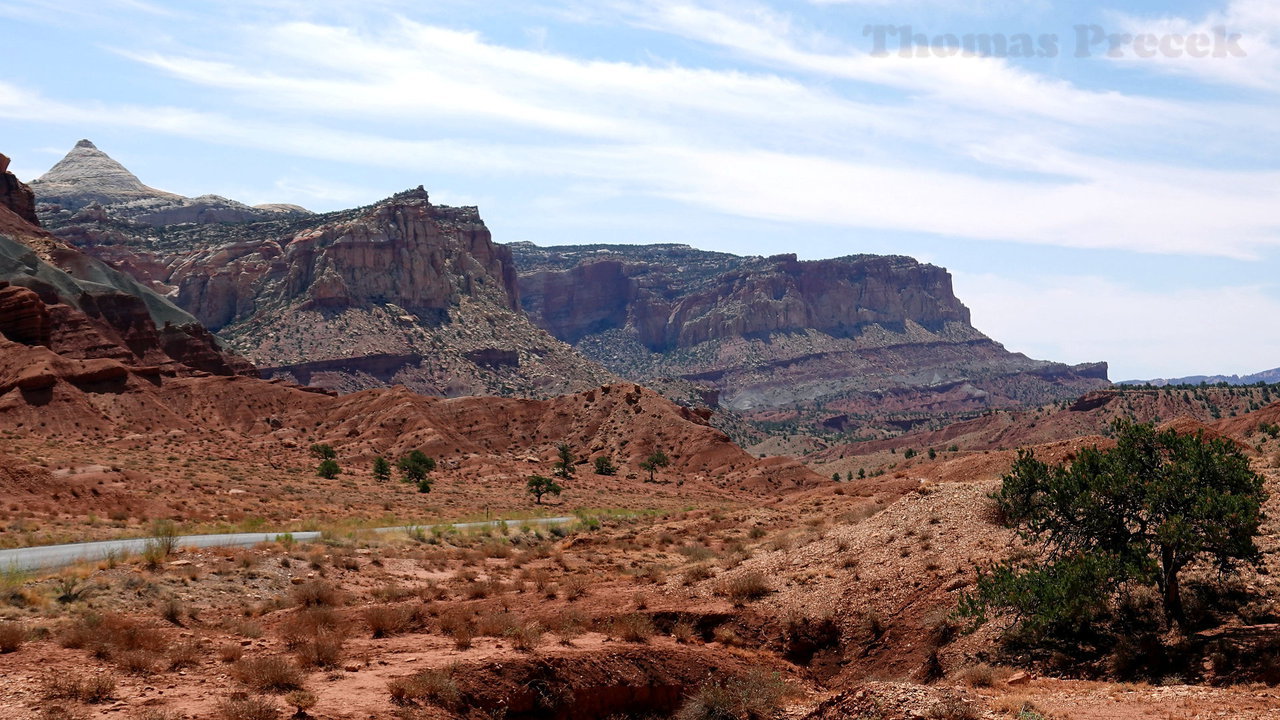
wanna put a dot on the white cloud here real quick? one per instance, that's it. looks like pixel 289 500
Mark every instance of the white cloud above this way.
pixel 1258 23
pixel 973 148
pixel 1143 334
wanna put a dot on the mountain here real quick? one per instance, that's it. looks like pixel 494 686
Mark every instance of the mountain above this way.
pixel 1266 376
pixel 776 337
pixel 89 178
pixel 400 292
pixel 55 296
pixel 409 292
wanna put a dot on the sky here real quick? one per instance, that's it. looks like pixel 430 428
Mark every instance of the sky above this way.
pixel 1098 187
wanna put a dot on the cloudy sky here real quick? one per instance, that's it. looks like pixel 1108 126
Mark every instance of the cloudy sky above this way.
pixel 1093 202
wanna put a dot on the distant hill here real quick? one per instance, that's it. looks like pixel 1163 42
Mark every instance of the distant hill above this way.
pixel 1266 376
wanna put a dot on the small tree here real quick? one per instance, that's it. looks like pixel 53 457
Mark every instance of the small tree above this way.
pixel 415 466
pixel 328 469
pixel 605 466
pixel 835 477
pixel 933 454
pixel 381 469
pixel 1137 514
pixel 564 464
pixel 862 473
pixel 657 460
pixel 538 485
pixel 324 451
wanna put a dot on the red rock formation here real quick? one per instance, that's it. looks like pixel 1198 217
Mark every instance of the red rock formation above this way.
pixel 15 195
pixel 23 316
pixel 48 394
pixel 56 296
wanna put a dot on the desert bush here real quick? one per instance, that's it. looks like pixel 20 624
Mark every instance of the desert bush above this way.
pixel 247 708
pixel 460 628
pixel 496 624
pixel 230 652
pixel 301 701
pixel 173 610
pixel 525 636
pixel 316 593
pixel 753 697
pixel 12 636
pixel 138 662
pixel 574 587
pixel 743 587
pixel 954 709
pixel 697 553
pixel 75 686
pixel 322 650
pixel 271 673
pixel 633 627
pixel 433 686
pixel 116 638
pixel 695 574
pixel 299 628
pixel 684 632
pixel 387 620
pixel 981 675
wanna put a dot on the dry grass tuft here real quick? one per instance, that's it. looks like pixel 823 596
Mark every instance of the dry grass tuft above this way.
pixel 12 636
pixel 247 708
pixel 81 688
pixel 387 620
pixel 271 673
pixel 433 686
pixel 743 587
pixel 634 627
pixel 316 593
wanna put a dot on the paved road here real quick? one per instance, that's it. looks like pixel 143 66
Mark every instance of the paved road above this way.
pixel 52 556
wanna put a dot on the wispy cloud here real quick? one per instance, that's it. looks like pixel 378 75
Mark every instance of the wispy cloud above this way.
pixel 1257 22
pixel 964 147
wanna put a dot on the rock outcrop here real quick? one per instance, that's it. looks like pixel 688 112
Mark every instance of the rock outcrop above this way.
pixel 15 195
pixel 88 179
pixel 675 297
pixel 876 337
pixel 400 292
pixel 54 296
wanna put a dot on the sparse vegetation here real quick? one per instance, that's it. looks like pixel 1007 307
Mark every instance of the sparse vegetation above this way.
pixel 755 697
pixel 655 462
pixel 540 485
pixel 270 673
pixel 431 686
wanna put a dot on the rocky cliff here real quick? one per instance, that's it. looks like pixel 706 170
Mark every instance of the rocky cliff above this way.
pixel 54 296
pixel 409 292
pixel 400 292
pixel 856 337
pixel 676 297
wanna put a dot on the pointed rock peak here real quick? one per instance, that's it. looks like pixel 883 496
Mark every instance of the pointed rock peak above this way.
pixel 87 175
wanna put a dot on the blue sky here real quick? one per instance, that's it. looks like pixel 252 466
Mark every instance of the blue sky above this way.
pixel 1091 208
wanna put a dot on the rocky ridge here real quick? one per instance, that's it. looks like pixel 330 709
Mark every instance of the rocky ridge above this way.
pixel 859 335
pixel 400 292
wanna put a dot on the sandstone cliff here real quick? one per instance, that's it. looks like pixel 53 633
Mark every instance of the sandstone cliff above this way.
pixel 865 338
pixel 400 292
